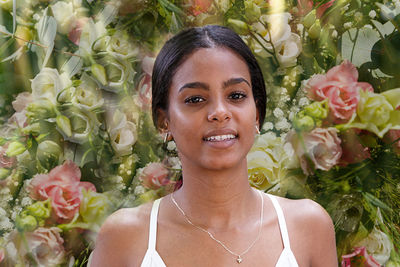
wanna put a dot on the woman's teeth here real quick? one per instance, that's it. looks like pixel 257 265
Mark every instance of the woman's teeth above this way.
pixel 220 137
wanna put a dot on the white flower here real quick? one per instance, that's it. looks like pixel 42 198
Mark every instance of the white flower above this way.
pixel 278 113
pixel 378 244
pixel 87 95
pixel 123 133
pixel 121 46
pixel 65 16
pixel 48 83
pixel 372 14
pixel 91 33
pixel 268 126
pixel 289 50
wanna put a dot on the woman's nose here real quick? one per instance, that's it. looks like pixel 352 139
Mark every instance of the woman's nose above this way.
pixel 219 112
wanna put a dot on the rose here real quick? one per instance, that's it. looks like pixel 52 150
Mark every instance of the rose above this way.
pixel 65 16
pixel 289 50
pixel 378 244
pixel 154 176
pixel 48 83
pixel 304 6
pixel 75 33
pixel 199 6
pixel 6 161
pixel 123 133
pixel 359 258
pixel 353 150
pixel 341 88
pixel 46 246
pixel 144 86
pixel 19 105
pixel 62 185
pixel 94 207
pixel 87 95
pixel 116 74
pixel 320 148
pixel 374 108
pixel 91 33
pixel 119 45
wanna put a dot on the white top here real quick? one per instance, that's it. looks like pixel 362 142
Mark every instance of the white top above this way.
pixel 153 259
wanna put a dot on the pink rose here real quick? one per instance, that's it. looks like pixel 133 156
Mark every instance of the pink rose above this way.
pixel 320 147
pixel 353 150
pixel 46 246
pixel 154 176
pixel 341 88
pixel 19 105
pixel 5 161
pixel 200 6
pixel 63 186
pixel 144 86
pixel 359 258
pixel 306 6
pixel 75 34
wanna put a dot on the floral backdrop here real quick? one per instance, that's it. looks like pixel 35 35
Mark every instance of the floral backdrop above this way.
pixel 77 141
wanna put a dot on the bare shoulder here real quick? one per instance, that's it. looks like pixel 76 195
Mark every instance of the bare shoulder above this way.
pixel 122 237
pixel 311 231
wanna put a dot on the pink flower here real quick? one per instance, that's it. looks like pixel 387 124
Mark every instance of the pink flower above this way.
pixel 200 6
pixel 393 136
pixel 19 105
pixel 341 88
pixel 320 148
pixel 353 150
pixel 359 258
pixel 46 246
pixel 144 86
pixel 75 34
pixel 154 176
pixel 2 254
pixel 306 6
pixel 5 161
pixel 62 185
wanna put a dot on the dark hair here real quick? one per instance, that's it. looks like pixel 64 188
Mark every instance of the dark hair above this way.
pixel 179 47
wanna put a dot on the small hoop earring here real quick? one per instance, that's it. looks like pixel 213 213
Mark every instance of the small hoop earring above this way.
pixel 166 136
pixel 258 131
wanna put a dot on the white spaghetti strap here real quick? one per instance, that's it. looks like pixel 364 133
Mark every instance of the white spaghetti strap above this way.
pixel 282 222
pixel 153 225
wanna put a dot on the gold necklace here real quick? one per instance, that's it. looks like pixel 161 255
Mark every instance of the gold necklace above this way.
pixel 239 258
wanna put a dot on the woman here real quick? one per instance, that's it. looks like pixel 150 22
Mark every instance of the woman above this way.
pixel 209 97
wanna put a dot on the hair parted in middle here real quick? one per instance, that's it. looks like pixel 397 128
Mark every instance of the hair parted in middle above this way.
pixel 178 48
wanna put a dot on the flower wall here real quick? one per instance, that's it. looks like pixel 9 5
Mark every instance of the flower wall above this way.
pixel 77 141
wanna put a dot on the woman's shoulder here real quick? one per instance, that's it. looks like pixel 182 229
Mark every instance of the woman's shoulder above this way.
pixel 124 231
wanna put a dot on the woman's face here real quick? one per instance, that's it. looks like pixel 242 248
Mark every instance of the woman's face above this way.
pixel 212 114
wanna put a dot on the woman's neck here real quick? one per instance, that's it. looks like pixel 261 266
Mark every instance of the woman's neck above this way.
pixel 218 199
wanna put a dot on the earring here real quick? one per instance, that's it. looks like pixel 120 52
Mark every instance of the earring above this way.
pixel 166 137
pixel 258 131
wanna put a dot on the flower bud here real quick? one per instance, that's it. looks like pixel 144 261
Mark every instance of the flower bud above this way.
pixel 4 173
pixel 41 109
pixel 48 153
pixel 99 73
pixel 303 122
pixel 317 110
pixel 25 222
pixel 41 210
pixel 33 129
pixel 252 11
pixel 310 18
pixel 315 30
pixel 238 26
pixel 6 4
pixel 15 148
pixel 64 124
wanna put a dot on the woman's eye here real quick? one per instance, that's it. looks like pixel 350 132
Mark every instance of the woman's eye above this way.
pixel 237 95
pixel 194 99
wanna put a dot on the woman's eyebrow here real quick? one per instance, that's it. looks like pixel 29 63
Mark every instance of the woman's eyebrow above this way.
pixel 234 81
pixel 195 85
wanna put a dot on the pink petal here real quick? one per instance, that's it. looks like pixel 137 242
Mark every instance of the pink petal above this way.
pixel 345 73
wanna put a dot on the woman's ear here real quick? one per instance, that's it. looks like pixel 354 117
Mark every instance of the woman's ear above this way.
pixel 162 121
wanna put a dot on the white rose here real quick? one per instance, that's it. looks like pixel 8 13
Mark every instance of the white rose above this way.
pixel 87 95
pixel 64 15
pixel 121 46
pixel 288 51
pixel 48 83
pixel 118 73
pixel 123 133
pixel 378 244
pixel 90 34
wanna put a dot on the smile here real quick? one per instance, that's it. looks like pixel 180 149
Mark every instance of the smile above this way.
pixel 217 138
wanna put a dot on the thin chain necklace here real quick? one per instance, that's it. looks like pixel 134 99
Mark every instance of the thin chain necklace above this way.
pixel 239 258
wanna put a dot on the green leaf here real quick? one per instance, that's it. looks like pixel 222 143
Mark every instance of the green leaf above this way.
pixel 357 45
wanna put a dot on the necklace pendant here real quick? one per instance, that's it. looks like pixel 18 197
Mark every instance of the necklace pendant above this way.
pixel 239 259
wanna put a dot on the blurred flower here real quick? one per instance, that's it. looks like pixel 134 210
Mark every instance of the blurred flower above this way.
pixel 41 210
pixel 346 212
pixel 392 136
pixel 154 176
pixel 378 244
pixel 46 246
pixel 75 33
pixel 65 16
pixel 341 88
pixel 62 185
pixel 123 133
pixel 353 150
pixel 119 45
pixel 87 95
pixel 6 4
pixel 304 6
pixel 15 148
pixel 144 86
pixel 48 83
pixel 117 74
pixel 48 153
pixel 1 254
pixel 94 208
pixel 319 149
pixel 19 104
pixel 359 258
pixel 6 161
pixel 25 222
pixel 199 6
